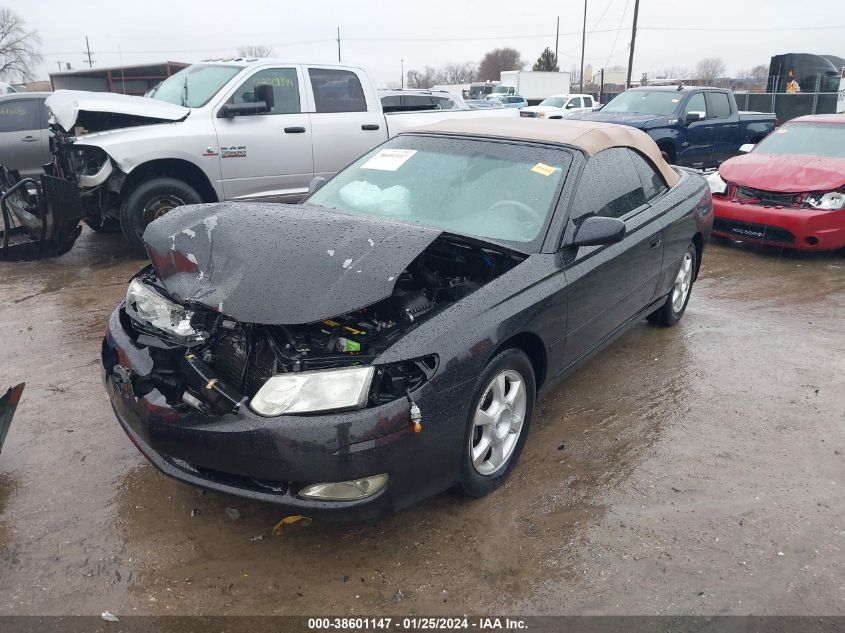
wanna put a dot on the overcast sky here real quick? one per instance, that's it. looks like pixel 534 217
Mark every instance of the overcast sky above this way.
pixel 377 35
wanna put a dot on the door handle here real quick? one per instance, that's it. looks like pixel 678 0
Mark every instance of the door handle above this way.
pixel 655 243
pixel 370 126
pixel 294 130
pixel 29 139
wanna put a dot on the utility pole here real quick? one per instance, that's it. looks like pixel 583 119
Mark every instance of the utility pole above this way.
pixel 601 87
pixel 557 37
pixel 583 43
pixel 338 44
pixel 402 78
pixel 88 48
pixel 633 41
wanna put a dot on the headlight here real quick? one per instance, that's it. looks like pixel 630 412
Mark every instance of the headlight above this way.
pixel 541 115
pixel 831 201
pixel 717 185
pixel 311 391
pixel 152 312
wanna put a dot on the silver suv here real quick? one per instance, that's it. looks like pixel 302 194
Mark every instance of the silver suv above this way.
pixel 24 137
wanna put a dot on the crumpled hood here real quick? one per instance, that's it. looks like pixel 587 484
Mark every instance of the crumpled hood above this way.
pixel 622 118
pixel 278 263
pixel 65 106
pixel 786 173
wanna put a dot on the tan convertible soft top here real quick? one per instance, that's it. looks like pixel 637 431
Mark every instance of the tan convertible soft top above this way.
pixel 590 136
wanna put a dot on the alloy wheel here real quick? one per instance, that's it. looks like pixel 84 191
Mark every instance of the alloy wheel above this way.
pixel 497 423
pixel 683 282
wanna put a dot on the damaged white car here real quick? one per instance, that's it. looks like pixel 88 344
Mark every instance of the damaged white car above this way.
pixel 217 131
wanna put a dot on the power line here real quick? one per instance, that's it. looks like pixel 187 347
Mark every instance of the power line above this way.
pixel 743 29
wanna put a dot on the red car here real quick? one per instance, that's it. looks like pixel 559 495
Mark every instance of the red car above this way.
pixel 789 190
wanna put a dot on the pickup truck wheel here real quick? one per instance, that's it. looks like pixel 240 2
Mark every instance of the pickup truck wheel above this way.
pixel 676 302
pixel 151 200
pixel 499 419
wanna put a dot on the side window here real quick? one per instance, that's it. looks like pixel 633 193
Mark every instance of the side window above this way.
pixel 653 183
pixel 588 102
pixel 285 87
pixel 575 102
pixel 445 103
pixel 337 90
pixel 718 105
pixel 20 115
pixel 421 102
pixel 391 103
pixel 696 104
pixel 609 186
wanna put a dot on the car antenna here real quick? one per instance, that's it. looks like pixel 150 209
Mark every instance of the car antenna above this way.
pixel 680 87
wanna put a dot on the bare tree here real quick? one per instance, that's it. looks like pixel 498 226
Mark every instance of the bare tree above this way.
pixel 759 74
pixel 547 61
pixel 709 69
pixel 255 50
pixel 20 48
pixel 457 73
pixel 496 61
pixel 425 79
pixel 675 72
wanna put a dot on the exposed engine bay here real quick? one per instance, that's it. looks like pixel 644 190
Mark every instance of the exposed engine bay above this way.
pixel 238 358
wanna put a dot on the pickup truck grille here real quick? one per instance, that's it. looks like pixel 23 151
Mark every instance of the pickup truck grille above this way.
pixel 767 198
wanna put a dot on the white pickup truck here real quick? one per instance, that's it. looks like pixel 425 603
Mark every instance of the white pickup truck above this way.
pixel 223 130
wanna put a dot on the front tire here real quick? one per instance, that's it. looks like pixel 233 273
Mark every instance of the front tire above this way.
pixel 676 302
pixel 151 200
pixel 499 419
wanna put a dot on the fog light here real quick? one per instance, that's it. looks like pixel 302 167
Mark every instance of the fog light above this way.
pixel 345 490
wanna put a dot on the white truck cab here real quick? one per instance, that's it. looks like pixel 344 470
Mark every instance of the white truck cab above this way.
pixel 219 130
pixel 558 106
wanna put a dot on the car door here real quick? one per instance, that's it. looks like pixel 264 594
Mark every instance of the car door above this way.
pixel 21 136
pixel 347 121
pixel 726 127
pixel 267 156
pixel 609 284
pixel 697 149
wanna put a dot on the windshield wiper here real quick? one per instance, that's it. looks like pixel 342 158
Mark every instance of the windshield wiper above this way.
pixel 184 96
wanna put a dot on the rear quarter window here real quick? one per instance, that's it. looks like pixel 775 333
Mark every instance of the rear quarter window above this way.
pixel 337 90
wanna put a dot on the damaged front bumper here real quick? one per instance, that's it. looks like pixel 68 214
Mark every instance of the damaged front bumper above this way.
pixel 40 217
pixel 272 459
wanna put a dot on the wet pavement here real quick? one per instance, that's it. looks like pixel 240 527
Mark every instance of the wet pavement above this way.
pixel 697 469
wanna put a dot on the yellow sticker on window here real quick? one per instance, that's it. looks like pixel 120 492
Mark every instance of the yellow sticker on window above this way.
pixel 543 169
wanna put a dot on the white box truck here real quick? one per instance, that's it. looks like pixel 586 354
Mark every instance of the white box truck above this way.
pixel 534 85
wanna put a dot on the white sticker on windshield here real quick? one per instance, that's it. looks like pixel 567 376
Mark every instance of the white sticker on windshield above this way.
pixel 389 159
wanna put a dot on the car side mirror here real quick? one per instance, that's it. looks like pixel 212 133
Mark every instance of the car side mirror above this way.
pixel 315 184
pixel 747 147
pixel 264 92
pixel 570 105
pixel 694 116
pixel 231 110
pixel 597 229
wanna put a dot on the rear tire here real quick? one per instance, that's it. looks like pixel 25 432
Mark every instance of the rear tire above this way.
pixel 149 201
pixel 498 423
pixel 676 302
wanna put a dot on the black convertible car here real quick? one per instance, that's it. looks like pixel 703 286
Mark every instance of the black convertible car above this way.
pixel 387 339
